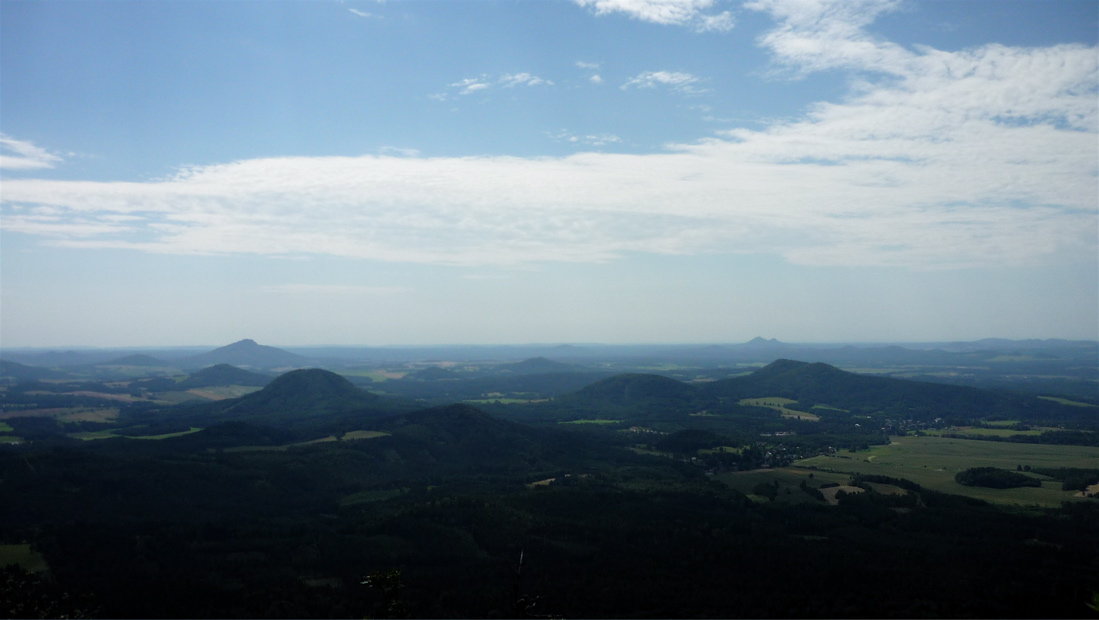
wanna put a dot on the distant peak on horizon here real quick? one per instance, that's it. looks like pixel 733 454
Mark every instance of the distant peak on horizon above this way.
pixel 246 341
pixel 765 342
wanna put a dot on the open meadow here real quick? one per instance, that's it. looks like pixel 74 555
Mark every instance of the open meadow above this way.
pixel 932 462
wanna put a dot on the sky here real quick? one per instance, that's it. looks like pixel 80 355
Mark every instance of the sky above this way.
pixel 547 171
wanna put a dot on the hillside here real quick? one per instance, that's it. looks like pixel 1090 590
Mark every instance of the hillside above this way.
pixel 22 372
pixel 305 392
pixel 309 399
pixel 537 366
pixel 636 388
pixel 820 383
pixel 138 359
pixel 223 374
pixel 246 353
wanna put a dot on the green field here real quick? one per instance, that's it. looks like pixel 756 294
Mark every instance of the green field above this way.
pixel 24 556
pixel 596 421
pixel 932 462
pixel 788 478
pixel 1065 401
pixel 107 434
pixel 779 405
pixel 5 427
pixel 986 432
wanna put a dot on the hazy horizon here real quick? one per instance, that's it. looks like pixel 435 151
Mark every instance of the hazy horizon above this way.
pixel 614 172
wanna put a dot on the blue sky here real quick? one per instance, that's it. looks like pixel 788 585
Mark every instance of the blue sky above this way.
pixel 178 173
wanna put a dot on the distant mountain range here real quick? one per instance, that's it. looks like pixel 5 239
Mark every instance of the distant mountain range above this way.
pixel 816 383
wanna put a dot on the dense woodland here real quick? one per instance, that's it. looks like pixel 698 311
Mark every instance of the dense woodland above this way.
pixel 602 494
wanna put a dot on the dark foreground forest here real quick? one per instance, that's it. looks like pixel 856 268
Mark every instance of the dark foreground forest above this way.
pixel 314 498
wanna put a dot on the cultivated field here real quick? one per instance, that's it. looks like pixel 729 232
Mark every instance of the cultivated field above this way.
pixel 932 462
pixel 779 405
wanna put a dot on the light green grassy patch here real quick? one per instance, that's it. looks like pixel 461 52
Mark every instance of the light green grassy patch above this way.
pixel 222 392
pixel 828 408
pixel 102 415
pixel 503 401
pixel 10 439
pixel 24 556
pixel 722 449
pixel 108 434
pixel 90 435
pixel 932 462
pixel 365 497
pixel 193 429
pixel 175 398
pixel 983 432
pixel 779 405
pixel 1065 401
pixel 363 435
pixel 1001 422
pixel 5 427
pixel 788 479
pixel 597 421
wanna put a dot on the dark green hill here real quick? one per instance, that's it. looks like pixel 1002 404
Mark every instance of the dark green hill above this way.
pixel 224 374
pixel 247 353
pixel 454 424
pixel 820 383
pixel 636 388
pixel 22 372
pixel 458 436
pixel 433 373
pixel 307 391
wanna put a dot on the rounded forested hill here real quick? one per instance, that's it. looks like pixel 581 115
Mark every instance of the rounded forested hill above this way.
pixel 636 387
pixel 536 366
pixel 224 374
pixel 433 373
pixel 308 392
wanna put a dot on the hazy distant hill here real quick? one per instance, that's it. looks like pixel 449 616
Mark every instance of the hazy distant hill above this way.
pixel 764 343
pixel 433 373
pixel 138 359
pixel 537 366
pixel 247 353
pixel 21 372
pixel 816 383
pixel 224 374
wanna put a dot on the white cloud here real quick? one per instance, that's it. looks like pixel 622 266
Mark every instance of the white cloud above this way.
pixel 692 13
pixel 595 79
pixel 469 86
pixel 681 82
pixel 332 289
pixel 364 14
pixel 23 155
pixel 519 79
pixel 601 139
pixel 592 66
pixel 935 160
